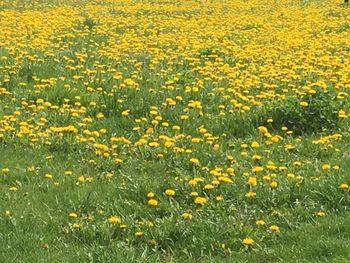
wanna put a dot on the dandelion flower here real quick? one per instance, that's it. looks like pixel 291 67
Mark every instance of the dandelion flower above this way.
pixel 200 200
pixel 114 219
pixel 73 215
pixel 186 215
pixel 250 194
pixel 344 186
pixel 274 228
pixel 153 202
pixel 248 241
pixel 304 104
pixel 169 192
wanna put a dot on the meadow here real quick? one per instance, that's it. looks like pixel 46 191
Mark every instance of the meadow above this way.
pixel 174 131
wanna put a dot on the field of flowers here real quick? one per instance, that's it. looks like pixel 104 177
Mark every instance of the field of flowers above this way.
pixel 174 131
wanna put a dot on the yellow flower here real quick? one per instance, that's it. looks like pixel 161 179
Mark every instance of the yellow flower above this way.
pixel 114 219
pixel 13 188
pixel 219 198
pixel 255 144
pixel 118 161
pixel 263 129
pixel 194 160
pixel 150 195
pixel 304 104
pixel 192 182
pixel 245 108
pixel 248 241
pixel 250 194
pixel 169 192
pixel 100 115
pixel 31 168
pixel 232 160
pixel 109 175
pixel 153 202
pixel 224 179
pixel 5 170
pixel 342 114
pixel 344 186
pixel 208 186
pixel 153 144
pixel 81 179
pixel 256 157
pixel 321 214
pixel 45 245
pixel 341 95
pixel 73 215
pixel 273 184
pixel 186 215
pixel 289 147
pixel 139 234
pixel 193 194
pixel 125 113
pixel 252 181
pixel 257 169
pixel 260 222
pixel 297 163
pixel 326 167
pixel 200 200
pixel 48 176
pixel 230 170
pixel 274 228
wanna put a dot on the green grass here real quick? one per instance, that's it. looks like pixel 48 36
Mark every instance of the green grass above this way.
pixel 41 205
pixel 325 240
